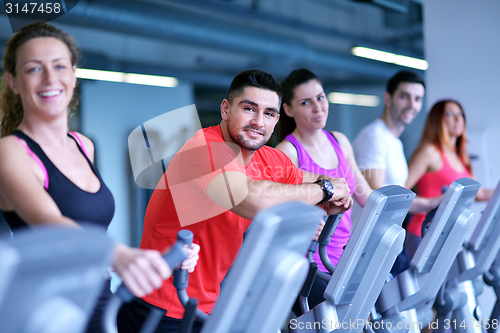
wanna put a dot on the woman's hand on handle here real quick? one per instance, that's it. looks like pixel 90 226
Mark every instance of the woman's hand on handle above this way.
pixel 142 271
pixel 321 225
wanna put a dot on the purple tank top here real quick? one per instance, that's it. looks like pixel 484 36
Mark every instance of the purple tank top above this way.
pixel 343 231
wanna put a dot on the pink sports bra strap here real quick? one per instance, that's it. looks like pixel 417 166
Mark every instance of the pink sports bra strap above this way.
pixel 80 142
pixel 37 160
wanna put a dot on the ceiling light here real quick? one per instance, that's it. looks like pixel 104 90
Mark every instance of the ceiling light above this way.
pixel 353 99
pixel 392 58
pixel 150 80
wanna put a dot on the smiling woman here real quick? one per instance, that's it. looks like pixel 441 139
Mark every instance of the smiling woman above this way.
pixel 47 175
pixel 45 77
pixel 11 106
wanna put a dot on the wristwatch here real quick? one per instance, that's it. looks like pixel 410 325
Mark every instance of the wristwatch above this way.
pixel 327 187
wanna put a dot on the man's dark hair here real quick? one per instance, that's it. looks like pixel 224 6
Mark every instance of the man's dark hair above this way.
pixel 403 76
pixel 253 78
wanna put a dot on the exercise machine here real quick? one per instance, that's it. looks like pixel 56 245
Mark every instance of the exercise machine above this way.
pixel 50 279
pixel 267 275
pixel 356 282
pixel 405 303
pixel 268 272
pixel 456 304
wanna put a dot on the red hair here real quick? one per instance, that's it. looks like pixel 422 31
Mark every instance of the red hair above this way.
pixel 434 132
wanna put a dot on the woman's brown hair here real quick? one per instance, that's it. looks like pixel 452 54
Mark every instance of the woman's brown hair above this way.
pixel 296 78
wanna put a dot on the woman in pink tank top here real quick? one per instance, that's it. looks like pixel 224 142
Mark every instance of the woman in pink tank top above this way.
pixel 440 159
pixel 303 115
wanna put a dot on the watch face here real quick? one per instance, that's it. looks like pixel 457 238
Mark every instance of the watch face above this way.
pixel 328 187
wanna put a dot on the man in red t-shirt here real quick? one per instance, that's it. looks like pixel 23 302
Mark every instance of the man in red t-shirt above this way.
pixel 215 185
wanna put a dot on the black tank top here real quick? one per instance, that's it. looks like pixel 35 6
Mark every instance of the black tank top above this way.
pixel 73 202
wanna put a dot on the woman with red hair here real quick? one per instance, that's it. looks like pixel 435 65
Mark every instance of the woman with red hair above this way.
pixel 440 158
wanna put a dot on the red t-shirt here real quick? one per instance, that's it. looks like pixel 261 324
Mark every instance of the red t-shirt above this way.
pixel 180 202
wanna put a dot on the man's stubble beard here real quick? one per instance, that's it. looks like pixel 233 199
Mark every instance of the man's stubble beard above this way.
pixel 245 143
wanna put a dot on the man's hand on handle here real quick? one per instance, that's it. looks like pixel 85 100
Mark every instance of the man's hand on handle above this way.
pixel 341 199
